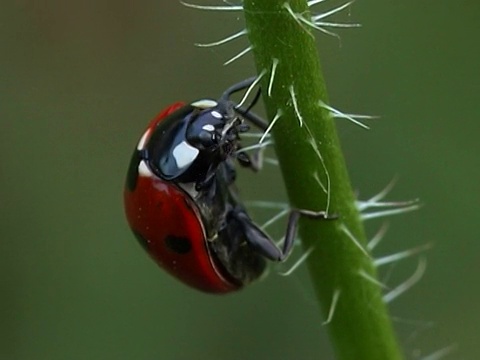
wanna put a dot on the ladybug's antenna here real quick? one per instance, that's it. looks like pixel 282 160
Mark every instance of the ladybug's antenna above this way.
pixel 237 87
pixel 245 112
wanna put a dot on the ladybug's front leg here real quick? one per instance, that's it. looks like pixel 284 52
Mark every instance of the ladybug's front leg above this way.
pixel 263 244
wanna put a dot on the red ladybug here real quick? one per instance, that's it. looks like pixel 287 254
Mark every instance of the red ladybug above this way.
pixel 181 202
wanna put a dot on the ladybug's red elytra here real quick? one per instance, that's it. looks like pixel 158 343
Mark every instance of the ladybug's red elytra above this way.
pixel 181 201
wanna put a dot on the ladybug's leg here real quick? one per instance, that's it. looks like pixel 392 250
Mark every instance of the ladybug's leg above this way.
pixel 245 112
pixel 263 244
pixel 255 119
pixel 242 85
pixel 254 162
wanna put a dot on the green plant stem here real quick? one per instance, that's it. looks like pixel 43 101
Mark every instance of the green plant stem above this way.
pixel 316 178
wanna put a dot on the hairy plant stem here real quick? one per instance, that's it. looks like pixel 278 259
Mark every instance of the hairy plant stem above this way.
pixel 316 178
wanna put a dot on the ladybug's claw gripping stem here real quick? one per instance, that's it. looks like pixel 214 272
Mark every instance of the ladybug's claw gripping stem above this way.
pixel 264 245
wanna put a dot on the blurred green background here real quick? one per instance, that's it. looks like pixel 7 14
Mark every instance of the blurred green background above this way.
pixel 78 82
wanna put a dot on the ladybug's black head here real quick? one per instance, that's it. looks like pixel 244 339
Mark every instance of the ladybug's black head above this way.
pixel 214 131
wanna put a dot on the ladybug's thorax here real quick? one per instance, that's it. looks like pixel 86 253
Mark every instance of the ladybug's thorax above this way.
pixel 189 143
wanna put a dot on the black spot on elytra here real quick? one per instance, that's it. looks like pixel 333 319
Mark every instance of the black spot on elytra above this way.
pixel 180 245
pixel 132 173
pixel 141 240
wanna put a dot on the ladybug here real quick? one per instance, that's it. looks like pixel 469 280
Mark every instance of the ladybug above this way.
pixel 181 201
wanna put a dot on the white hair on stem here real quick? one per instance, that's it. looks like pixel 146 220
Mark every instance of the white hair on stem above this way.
pixel 223 41
pixel 291 89
pixel 333 307
pixel 297 17
pixel 275 62
pixel 384 192
pixel 319 182
pixel 275 218
pixel 375 240
pixel 354 240
pixel 364 205
pixel 342 115
pixel 440 354
pixel 375 202
pixel 331 12
pixel 297 263
pixel 257 146
pixel 255 135
pixel 406 285
pixel 251 87
pixel 278 115
pixel 315 21
pixel 390 212
pixel 322 24
pixel 316 27
pixel 371 279
pixel 238 56
pixel 314 2
pixel 301 20
pixel 268 204
pixel 401 255
pixel 357 116
pixel 271 161
pixel 213 7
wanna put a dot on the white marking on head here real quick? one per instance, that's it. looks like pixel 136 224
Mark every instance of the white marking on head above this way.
pixel 204 103
pixel 144 170
pixel 141 143
pixel 208 127
pixel 216 114
pixel 184 154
